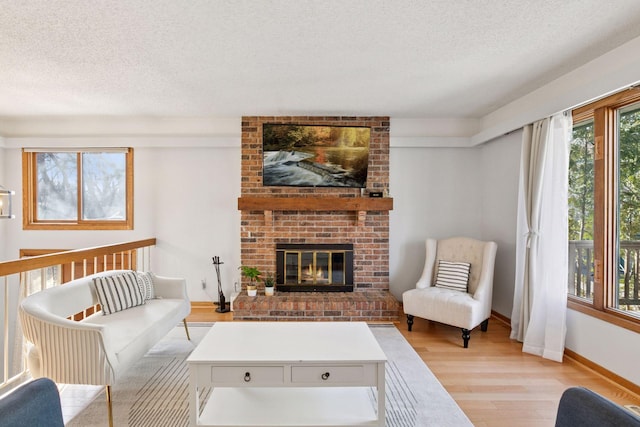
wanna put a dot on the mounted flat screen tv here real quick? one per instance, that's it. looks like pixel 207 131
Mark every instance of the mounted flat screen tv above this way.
pixel 315 156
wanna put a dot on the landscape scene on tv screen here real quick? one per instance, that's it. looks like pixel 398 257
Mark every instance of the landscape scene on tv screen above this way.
pixel 315 156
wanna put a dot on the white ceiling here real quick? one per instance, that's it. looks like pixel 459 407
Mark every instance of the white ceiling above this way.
pixel 225 58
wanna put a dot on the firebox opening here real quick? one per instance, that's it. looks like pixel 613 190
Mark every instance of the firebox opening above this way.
pixel 314 267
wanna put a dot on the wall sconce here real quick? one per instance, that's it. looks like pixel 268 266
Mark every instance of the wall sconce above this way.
pixel 5 203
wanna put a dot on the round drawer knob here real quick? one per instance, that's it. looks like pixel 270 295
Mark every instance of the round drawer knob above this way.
pixel 325 376
pixel 247 377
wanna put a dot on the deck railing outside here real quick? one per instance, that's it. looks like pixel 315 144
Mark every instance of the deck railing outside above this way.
pixel 581 272
pixel 22 277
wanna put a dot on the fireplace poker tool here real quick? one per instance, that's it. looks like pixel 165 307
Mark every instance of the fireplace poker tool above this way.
pixel 222 305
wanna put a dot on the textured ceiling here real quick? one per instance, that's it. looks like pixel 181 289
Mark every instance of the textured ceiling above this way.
pixel 403 58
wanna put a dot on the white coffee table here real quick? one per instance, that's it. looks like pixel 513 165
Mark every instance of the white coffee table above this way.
pixel 287 374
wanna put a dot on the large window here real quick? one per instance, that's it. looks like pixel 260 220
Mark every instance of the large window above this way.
pixel 604 209
pixel 78 189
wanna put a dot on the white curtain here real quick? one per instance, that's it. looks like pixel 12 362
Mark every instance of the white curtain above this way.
pixel 540 298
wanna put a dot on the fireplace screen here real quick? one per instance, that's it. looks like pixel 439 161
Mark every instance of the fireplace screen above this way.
pixel 314 267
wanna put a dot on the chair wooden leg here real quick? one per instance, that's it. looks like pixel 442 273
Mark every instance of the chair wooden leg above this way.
pixel 186 329
pixel 484 325
pixel 466 335
pixel 409 321
pixel 109 406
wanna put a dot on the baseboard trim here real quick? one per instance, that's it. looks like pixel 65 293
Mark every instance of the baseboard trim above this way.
pixel 603 372
pixel 501 318
pixel 203 304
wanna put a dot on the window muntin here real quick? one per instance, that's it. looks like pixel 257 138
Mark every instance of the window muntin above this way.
pixel 78 189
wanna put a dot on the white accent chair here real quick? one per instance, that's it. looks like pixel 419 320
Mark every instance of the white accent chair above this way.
pixel 465 310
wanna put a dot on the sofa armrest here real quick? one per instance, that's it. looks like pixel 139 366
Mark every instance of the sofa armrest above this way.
pixel 67 351
pixel 170 287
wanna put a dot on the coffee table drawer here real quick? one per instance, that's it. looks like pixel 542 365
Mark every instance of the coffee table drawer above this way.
pixel 328 374
pixel 247 375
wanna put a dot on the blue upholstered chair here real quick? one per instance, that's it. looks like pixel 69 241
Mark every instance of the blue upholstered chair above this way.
pixel 34 404
pixel 582 407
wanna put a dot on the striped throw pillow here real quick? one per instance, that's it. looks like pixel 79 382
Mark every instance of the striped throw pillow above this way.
pixel 453 275
pixel 118 292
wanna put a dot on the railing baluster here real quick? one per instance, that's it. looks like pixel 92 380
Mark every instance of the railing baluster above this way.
pixel 589 277
pixel 634 272
pixel 627 263
pixel 579 280
pixel 5 367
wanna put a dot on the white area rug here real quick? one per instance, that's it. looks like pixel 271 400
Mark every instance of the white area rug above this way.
pixel 154 392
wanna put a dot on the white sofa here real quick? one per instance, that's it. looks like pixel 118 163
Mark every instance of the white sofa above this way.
pixel 99 348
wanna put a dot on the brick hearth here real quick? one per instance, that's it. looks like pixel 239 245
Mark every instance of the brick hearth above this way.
pixel 338 306
pixel 271 215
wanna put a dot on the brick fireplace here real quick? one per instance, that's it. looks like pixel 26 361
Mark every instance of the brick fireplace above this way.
pixel 320 215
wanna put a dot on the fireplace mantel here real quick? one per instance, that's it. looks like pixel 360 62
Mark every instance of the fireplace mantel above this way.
pixel 361 205
pixel 315 203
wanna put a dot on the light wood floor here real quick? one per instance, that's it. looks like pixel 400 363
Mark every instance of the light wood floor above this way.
pixel 493 382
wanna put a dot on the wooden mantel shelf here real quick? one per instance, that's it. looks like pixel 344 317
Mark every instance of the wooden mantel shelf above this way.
pixel 359 204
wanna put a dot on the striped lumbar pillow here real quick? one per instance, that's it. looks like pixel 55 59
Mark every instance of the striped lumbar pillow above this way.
pixel 118 292
pixel 453 275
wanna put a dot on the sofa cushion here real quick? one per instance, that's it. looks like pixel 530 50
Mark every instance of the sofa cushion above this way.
pixel 118 292
pixel 444 305
pixel 131 333
pixel 145 282
pixel 453 275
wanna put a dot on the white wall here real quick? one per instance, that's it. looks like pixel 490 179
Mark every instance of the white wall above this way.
pixel 436 193
pixel 500 162
pixel 614 348
pixel 196 215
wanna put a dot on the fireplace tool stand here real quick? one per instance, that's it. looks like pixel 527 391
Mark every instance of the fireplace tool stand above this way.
pixel 222 305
